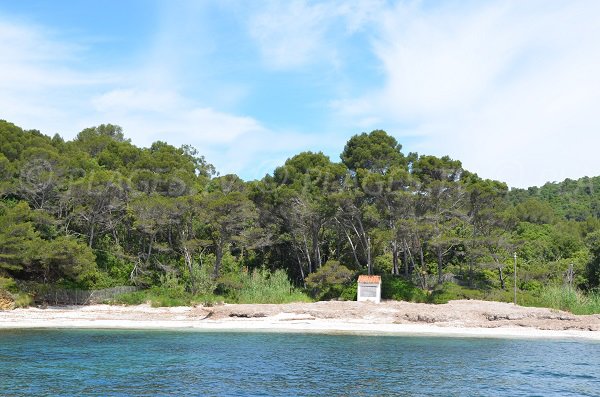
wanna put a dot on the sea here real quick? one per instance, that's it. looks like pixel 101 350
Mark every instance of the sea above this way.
pixel 191 363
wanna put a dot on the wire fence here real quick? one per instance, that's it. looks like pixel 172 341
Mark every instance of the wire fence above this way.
pixel 81 297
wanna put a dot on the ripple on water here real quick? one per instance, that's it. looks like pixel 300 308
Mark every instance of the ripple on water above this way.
pixel 149 363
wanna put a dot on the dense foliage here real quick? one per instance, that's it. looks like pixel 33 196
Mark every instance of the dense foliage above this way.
pixel 98 211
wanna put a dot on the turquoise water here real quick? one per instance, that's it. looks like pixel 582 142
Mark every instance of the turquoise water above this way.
pixel 153 363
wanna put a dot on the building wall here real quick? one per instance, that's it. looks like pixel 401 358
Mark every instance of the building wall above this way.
pixel 369 292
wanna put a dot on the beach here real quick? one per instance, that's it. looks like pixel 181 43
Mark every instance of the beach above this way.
pixel 468 318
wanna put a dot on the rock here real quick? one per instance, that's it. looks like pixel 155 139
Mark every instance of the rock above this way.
pixel 7 302
pixel 247 315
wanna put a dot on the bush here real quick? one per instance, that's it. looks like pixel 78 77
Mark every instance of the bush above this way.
pixel 329 281
pixel 349 292
pixel 398 288
pixel 452 291
pixel 23 300
pixel 382 264
pixel 169 293
pixel 199 280
pixel 11 297
pixel 262 286
pixel 8 284
pixel 531 285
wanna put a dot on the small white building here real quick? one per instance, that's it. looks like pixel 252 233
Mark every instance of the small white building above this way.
pixel 369 289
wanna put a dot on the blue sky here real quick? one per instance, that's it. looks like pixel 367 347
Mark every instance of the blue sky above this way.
pixel 511 88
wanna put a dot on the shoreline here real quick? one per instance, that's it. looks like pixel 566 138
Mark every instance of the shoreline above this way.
pixel 471 319
pixel 406 330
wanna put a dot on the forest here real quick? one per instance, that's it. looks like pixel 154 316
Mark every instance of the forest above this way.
pixel 97 212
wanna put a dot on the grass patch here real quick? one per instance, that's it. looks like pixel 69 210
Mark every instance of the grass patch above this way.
pixel 563 298
pixel 262 286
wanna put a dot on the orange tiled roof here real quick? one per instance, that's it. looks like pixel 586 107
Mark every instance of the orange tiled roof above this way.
pixel 369 279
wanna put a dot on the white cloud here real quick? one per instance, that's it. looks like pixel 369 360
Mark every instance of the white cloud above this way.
pixel 510 88
pixel 41 86
pixel 293 34
pixel 289 34
pixel 149 115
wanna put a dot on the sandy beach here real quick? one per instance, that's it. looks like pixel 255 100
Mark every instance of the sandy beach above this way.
pixel 456 318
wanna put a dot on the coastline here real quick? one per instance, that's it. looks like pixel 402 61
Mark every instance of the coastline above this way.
pixel 455 319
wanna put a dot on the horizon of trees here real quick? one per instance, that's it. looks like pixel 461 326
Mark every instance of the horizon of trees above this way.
pixel 98 211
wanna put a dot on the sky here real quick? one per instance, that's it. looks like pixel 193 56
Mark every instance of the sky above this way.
pixel 510 88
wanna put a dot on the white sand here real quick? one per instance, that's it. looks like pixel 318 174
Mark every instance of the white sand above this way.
pixel 379 320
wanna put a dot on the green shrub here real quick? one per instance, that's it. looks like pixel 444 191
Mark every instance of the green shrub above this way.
pixel 23 300
pixel 452 291
pixel 398 288
pixel 329 281
pixel 169 293
pixel 383 264
pixel 349 292
pixel 8 284
pixel 170 286
pixel 262 286
pixel 199 279
pixel 531 285
pixel 131 298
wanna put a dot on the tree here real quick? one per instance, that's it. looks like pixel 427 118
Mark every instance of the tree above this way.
pixel 228 212
pixel 153 216
pixel 98 203
pixel 395 204
pixel 305 184
pixel 65 257
pixel 356 218
pixel 19 241
pixel 94 139
pixel 440 204
pixel 24 252
pixel 376 152
pixel 593 266
pixel 490 223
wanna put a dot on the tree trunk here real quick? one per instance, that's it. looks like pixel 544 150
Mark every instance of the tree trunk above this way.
pixel 369 264
pixel 315 247
pixel 501 275
pixel 301 269
pixel 353 247
pixel 218 258
pixel 189 263
pixel 308 256
pixel 405 260
pixel 91 236
pixel 440 259
pixel 395 270
pixel 422 272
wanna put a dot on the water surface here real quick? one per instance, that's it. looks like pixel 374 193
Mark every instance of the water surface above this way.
pixel 159 363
